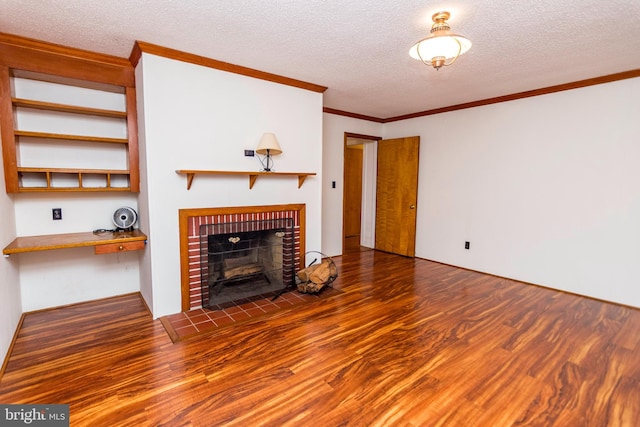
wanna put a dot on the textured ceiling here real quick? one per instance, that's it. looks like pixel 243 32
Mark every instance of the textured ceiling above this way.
pixel 359 48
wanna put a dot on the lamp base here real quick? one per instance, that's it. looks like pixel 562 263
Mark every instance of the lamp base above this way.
pixel 269 163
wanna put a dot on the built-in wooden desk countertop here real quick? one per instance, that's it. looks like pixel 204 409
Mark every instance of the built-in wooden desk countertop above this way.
pixel 103 242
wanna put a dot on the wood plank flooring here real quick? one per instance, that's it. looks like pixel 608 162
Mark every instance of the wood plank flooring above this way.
pixel 408 343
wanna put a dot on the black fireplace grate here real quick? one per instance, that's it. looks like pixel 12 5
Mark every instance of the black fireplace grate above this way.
pixel 246 259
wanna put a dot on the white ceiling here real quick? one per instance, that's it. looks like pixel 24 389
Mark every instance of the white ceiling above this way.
pixel 359 48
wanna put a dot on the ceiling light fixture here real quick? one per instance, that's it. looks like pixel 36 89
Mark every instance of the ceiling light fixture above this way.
pixel 441 45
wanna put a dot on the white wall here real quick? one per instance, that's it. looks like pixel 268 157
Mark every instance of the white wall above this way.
pixel 66 276
pixel 10 300
pixel 146 286
pixel 196 117
pixel 334 127
pixel 545 189
pixel 369 187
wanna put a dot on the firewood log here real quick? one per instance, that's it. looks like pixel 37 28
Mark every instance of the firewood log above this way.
pixel 238 261
pixel 322 274
pixel 315 277
pixel 304 274
pixel 310 287
pixel 242 270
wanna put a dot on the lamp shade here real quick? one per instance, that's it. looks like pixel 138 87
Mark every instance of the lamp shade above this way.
pixel 268 142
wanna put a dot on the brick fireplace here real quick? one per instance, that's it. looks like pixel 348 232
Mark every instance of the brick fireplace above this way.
pixel 191 221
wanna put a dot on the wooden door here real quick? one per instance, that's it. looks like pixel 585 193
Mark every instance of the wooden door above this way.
pixel 397 195
pixel 352 197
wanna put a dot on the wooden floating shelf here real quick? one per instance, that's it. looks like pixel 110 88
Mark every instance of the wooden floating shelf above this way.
pixel 63 108
pixel 75 240
pixel 45 135
pixel 253 176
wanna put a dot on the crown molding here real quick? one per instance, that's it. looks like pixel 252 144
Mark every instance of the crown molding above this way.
pixel 505 98
pixel 352 115
pixel 141 47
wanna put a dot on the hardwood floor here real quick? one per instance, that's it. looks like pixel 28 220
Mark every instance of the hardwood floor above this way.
pixel 409 342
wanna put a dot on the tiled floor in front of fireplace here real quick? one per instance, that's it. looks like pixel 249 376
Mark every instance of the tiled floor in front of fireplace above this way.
pixel 186 324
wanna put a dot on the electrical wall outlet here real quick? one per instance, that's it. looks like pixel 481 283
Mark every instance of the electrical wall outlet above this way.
pixel 467 245
pixel 56 213
pixel 249 153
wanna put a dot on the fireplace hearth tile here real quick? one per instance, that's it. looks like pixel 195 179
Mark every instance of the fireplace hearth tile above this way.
pixel 263 302
pixel 226 320
pixel 216 315
pixel 254 311
pixel 200 318
pixel 186 331
pixel 233 310
pixel 187 324
pixel 182 323
pixel 238 316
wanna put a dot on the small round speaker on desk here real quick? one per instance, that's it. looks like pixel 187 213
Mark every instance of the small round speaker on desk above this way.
pixel 124 218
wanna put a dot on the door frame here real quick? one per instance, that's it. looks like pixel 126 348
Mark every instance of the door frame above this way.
pixel 367 183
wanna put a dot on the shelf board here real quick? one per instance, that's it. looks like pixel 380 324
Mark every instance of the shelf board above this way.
pixel 48 174
pixel 46 135
pixel 70 240
pixel 253 176
pixel 73 170
pixel 72 189
pixel 75 109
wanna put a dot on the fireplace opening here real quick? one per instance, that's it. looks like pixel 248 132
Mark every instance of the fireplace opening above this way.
pixel 247 259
